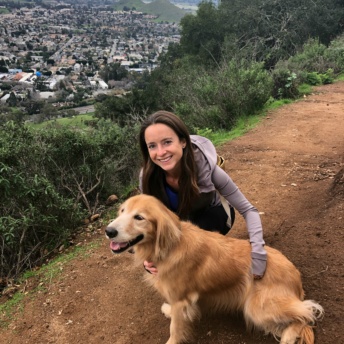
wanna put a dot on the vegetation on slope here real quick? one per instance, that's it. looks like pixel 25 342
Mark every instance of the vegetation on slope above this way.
pixel 225 68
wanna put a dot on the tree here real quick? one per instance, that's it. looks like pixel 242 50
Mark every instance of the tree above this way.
pixel 115 108
pixel 3 69
pixel 263 30
pixel 48 111
pixel 276 29
pixel 12 100
pixel 113 71
pixel 32 105
pixel 203 34
pixel 39 84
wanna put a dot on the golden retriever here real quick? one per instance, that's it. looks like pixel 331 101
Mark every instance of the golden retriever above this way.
pixel 198 269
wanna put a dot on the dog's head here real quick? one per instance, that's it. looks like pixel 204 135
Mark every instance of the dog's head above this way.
pixel 144 220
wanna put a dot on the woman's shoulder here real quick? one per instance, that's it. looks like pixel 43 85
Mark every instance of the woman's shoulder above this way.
pixel 204 150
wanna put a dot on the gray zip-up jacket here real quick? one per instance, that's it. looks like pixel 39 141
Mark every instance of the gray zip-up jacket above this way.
pixel 211 177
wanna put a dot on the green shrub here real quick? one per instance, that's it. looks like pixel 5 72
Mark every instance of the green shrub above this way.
pixel 328 77
pixel 34 217
pixel 315 57
pixel 313 78
pixel 51 179
pixel 311 57
pixel 214 99
pixel 335 54
pixel 243 87
pixel 285 83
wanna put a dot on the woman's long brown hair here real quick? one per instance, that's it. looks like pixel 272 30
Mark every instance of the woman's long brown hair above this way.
pixel 153 176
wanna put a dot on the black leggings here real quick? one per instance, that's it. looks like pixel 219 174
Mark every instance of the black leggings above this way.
pixel 213 219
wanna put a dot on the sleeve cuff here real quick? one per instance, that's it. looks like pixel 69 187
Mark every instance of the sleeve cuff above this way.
pixel 258 263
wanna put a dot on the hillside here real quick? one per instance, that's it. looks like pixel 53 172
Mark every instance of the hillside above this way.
pixel 291 167
pixel 162 8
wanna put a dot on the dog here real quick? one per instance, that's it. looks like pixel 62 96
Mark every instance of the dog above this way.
pixel 200 270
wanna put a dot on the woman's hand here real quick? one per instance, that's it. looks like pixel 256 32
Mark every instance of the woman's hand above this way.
pixel 258 268
pixel 149 267
pixel 257 277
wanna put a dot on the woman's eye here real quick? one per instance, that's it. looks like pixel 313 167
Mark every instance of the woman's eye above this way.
pixel 138 217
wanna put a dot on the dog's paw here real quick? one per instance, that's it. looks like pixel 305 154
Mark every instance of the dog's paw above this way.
pixel 166 310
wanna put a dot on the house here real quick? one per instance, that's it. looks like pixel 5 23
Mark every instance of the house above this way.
pixel 46 95
pixel 102 84
pixel 4 98
pixel 14 71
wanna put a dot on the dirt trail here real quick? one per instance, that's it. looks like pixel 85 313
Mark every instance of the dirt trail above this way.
pixel 291 168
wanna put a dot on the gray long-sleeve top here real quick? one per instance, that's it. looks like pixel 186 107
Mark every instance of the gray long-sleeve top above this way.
pixel 211 177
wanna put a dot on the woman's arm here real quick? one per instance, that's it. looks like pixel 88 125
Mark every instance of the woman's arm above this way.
pixel 228 189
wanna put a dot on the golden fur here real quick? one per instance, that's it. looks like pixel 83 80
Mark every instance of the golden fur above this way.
pixel 199 269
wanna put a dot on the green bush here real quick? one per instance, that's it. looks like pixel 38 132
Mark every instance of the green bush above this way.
pixel 215 98
pixel 243 87
pixel 313 78
pixel 335 54
pixel 34 217
pixel 315 57
pixel 310 58
pixel 328 77
pixel 315 64
pixel 53 178
pixel 285 83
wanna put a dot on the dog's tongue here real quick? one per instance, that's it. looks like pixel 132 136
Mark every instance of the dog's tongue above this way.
pixel 117 245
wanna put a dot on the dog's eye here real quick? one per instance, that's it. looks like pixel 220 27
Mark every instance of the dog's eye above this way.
pixel 138 217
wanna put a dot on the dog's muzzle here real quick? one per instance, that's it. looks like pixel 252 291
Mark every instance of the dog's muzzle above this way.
pixel 118 246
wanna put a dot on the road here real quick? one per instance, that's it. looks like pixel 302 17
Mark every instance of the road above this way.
pixel 84 109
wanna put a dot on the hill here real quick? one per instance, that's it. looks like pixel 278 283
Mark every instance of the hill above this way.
pixel 162 8
pixel 290 167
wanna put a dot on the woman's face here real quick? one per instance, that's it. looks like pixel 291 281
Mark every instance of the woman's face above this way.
pixel 164 147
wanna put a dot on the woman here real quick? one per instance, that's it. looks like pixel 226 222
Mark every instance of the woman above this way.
pixel 181 171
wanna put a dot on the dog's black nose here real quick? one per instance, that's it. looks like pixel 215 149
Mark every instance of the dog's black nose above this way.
pixel 111 232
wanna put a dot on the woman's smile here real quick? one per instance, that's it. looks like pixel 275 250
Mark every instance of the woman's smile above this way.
pixel 165 159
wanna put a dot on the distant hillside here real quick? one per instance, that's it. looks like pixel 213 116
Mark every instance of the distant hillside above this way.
pixel 162 8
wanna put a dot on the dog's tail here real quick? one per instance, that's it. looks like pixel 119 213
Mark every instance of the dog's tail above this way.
pixel 304 316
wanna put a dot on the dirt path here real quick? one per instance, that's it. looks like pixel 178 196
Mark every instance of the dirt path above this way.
pixel 290 167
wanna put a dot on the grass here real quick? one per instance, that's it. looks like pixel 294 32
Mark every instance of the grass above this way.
pixel 242 125
pixel 51 271
pixel 10 307
pixel 305 89
pixel 340 77
pixel 76 121
pixel 44 277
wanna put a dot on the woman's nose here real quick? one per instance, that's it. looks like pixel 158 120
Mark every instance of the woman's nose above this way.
pixel 160 150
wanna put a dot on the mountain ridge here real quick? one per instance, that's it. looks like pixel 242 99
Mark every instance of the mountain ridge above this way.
pixel 165 10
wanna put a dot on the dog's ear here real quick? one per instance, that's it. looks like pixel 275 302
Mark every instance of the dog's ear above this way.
pixel 168 232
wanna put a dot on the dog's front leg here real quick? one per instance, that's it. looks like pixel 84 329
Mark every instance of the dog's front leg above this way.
pixel 182 314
